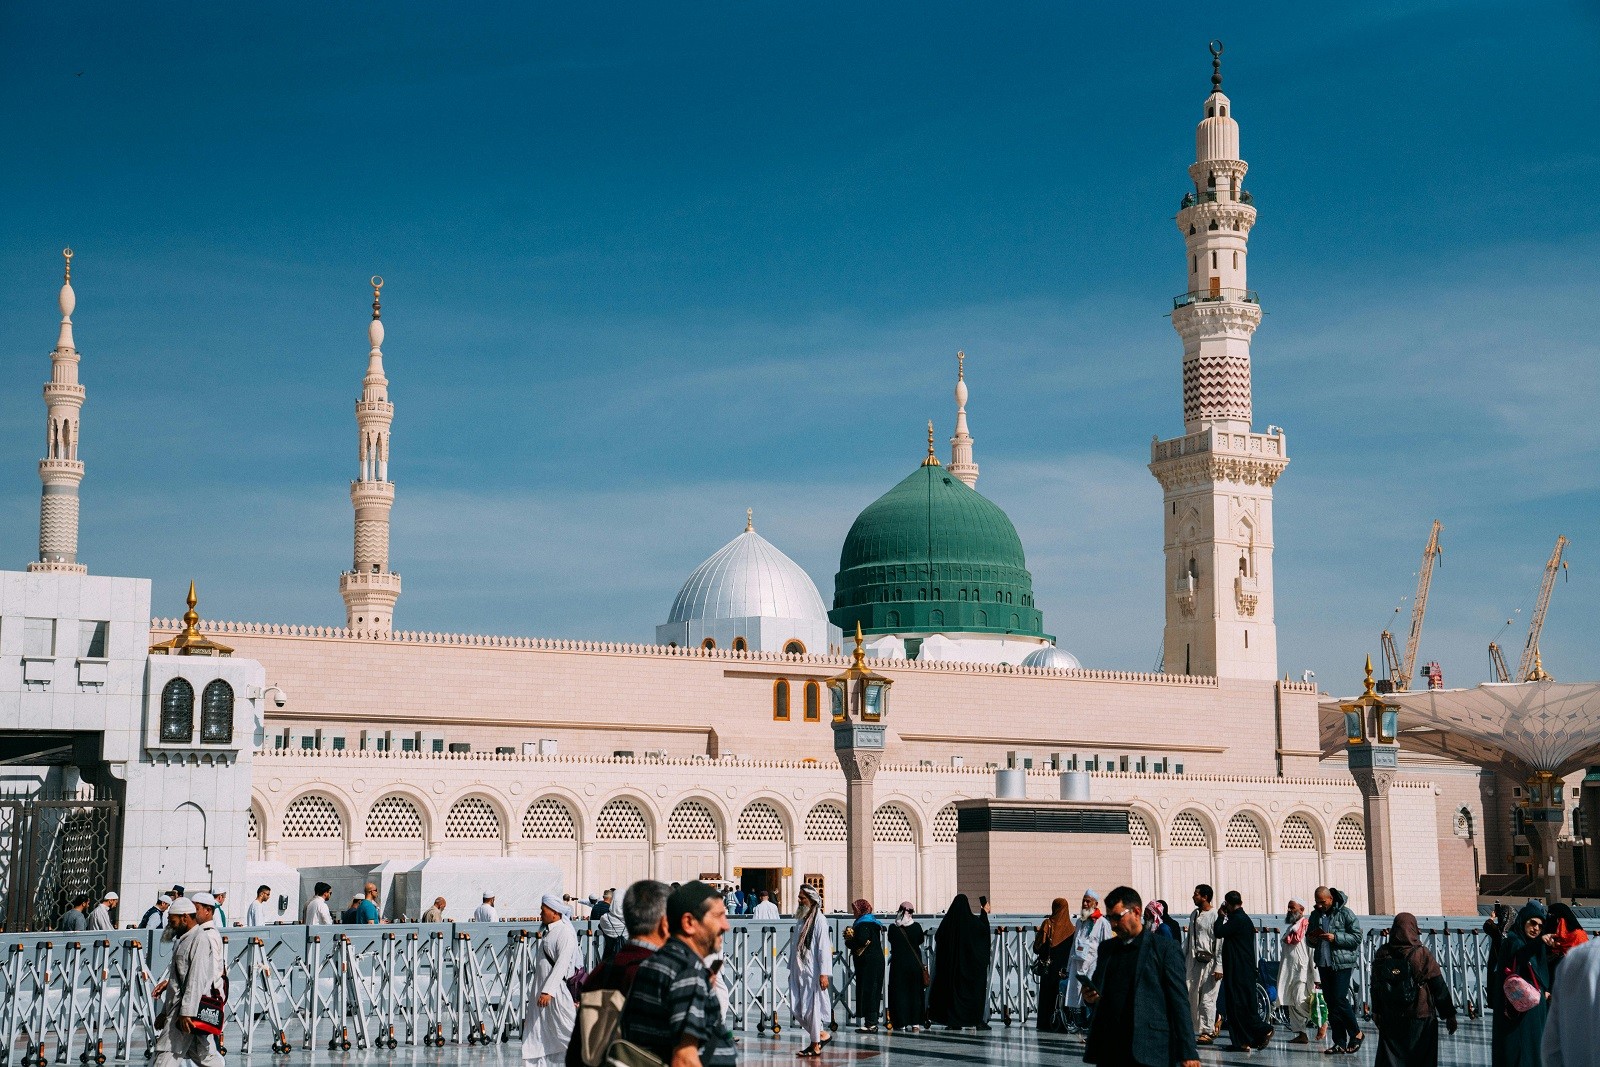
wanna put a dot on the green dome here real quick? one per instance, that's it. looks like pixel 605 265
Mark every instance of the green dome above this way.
pixel 933 555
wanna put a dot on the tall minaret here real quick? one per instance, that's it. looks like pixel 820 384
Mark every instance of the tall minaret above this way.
pixel 369 588
pixel 61 470
pixel 961 464
pixel 1217 478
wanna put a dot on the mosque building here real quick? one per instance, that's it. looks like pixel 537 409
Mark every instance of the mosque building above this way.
pixel 708 752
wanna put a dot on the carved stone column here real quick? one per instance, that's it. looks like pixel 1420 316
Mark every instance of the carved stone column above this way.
pixel 859 747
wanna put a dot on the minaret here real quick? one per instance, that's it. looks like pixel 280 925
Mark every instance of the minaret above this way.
pixel 61 470
pixel 369 588
pixel 961 464
pixel 1217 478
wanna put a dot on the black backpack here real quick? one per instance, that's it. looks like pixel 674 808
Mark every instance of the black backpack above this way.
pixel 1394 987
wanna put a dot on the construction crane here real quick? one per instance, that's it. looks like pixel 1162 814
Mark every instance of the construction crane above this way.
pixel 1498 662
pixel 1402 671
pixel 1530 665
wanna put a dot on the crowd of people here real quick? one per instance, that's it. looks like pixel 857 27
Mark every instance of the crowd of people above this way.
pixel 1139 986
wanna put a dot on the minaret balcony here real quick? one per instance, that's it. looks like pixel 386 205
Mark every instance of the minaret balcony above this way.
pixel 1216 296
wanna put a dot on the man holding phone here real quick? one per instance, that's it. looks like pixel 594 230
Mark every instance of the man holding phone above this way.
pixel 1138 979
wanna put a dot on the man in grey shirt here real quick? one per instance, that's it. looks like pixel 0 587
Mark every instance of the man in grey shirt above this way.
pixel 100 917
pixel 75 918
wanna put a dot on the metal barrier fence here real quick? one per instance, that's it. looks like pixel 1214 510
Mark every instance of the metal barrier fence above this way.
pixel 88 996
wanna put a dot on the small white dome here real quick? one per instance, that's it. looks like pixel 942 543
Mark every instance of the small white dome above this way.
pixel 1051 656
pixel 748 578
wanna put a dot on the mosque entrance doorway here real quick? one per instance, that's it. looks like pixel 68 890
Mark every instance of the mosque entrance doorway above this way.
pixel 753 880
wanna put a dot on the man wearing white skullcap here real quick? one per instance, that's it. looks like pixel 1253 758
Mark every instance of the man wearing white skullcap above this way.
pixel 547 1029
pixel 196 967
pixel 485 912
pixel 100 917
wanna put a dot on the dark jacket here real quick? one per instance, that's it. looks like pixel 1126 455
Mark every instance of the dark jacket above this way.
pixel 1164 1032
pixel 614 973
pixel 1341 923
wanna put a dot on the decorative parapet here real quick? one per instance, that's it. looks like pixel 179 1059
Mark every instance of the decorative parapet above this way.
pixel 357 755
pixel 616 648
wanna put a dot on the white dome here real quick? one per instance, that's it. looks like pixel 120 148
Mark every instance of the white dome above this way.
pixel 1051 656
pixel 748 578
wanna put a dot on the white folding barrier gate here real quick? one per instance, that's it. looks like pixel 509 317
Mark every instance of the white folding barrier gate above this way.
pixel 66 996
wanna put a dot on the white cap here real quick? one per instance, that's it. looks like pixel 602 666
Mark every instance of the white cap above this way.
pixel 181 906
pixel 110 894
pixel 204 899
pixel 487 895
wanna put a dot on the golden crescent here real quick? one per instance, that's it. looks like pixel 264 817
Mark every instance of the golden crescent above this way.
pixel 1216 48
pixel 377 281
pixel 67 252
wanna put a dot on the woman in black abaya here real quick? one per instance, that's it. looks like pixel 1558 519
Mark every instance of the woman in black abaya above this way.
pixel 1237 934
pixel 961 966
pixel 908 993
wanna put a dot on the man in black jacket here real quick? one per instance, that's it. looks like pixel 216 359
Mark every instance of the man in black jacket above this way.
pixel 1140 997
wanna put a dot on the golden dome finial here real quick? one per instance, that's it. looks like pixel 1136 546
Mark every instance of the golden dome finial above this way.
pixel 932 460
pixel 377 286
pixel 1369 688
pixel 191 618
pixel 860 653
pixel 66 254
pixel 749 519
pixel 961 366
pixel 189 641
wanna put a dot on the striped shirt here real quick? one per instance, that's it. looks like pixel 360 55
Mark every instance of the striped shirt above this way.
pixel 671 999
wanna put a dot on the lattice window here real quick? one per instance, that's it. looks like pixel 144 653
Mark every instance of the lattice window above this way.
pixel 394 816
pixel 760 821
pixel 548 819
pixel 216 713
pixel 252 829
pixel 692 821
pixel 1139 830
pixel 177 712
pixel 621 820
pixel 825 822
pixel 313 815
pixel 472 817
pixel 1243 832
pixel 890 823
pixel 1349 835
pixel 1297 833
pixel 1188 831
pixel 944 825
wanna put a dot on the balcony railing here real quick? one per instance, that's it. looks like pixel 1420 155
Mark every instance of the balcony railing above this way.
pixel 1247 296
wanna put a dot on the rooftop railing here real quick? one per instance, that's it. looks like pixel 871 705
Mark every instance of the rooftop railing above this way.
pixel 1246 296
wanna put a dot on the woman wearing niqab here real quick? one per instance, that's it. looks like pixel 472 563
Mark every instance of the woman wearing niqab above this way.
pixel 908 993
pixel 810 972
pixel 1053 945
pixel 961 966
pixel 1562 933
pixel 1412 1039
pixel 1517 1035
pixel 866 950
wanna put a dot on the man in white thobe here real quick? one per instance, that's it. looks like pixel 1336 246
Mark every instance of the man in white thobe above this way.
pixel 196 967
pixel 316 912
pixel 1297 973
pixel 811 970
pixel 100 917
pixel 765 910
pixel 547 1027
pixel 261 912
pixel 485 912
pixel 1092 929
pixel 1203 959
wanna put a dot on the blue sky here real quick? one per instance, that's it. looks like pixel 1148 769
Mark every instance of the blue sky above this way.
pixel 649 265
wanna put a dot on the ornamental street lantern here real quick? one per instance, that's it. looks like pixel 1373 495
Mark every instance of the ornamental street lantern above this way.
pixel 1372 726
pixel 1543 812
pixel 860 701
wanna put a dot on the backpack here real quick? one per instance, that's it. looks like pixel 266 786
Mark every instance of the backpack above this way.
pixel 1394 987
pixel 599 1021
